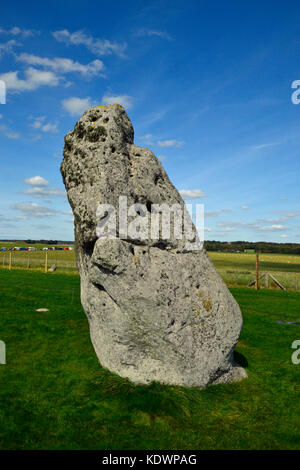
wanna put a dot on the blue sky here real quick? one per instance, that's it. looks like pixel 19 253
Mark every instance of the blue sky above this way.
pixel 208 88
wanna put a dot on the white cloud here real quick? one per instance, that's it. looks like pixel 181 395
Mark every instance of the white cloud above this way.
pixel 76 106
pixel 36 181
pixel 16 31
pixel 263 146
pixel 282 198
pixel 272 228
pixel 97 46
pixel 155 116
pixel 152 32
pixel 62 65
pixel 8 47
pixel 8 132
pixel 191 193
pixel 252 226
pixel 49 128
pixel 226 229
pixel 245 208
pixel 38 192
pixel 216 213
pixel 147 139
pixel 33 210
pixel 277 220
pixel 33 79
pixel 39 123
pixel 123 100
pixel 170 143
pixel 162 158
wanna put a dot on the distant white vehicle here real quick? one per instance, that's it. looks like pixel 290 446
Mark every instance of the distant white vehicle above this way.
pixel 45 248
pixel 31 248
pixel 70 248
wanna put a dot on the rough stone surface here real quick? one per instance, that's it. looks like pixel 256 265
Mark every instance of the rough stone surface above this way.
pixel 157 311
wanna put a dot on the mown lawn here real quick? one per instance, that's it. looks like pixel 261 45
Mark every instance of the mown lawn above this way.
pixel 54 394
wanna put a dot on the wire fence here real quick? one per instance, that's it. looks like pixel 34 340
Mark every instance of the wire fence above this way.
pixel 65 261
pixel 290 280
pixel 39 260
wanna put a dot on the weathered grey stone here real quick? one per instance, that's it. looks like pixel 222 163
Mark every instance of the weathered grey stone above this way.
pixel 157 310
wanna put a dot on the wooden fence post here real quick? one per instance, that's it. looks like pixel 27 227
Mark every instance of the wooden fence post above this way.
pixel 46 262
pixel 257 271
pixel 267 280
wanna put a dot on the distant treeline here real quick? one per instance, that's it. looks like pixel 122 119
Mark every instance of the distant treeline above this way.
pixel 42 242
pixel 210 245
pixel 263 247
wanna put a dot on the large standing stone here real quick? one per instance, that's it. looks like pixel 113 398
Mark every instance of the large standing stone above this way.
pixel 156 309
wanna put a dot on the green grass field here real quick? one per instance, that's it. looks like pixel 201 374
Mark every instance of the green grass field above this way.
pixel 55 395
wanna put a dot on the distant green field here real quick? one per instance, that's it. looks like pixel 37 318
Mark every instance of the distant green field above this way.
pixel 268 262
pixel 55 395
pixel 237 269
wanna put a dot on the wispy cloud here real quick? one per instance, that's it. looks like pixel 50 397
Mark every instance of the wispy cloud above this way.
pixel 10 134
pixel 124 100
pixel 32 209
pixel 8 47
pixel 267 145
pixel 49 127
pixel 272 228
pixel 39 192
pixel 191 193
pixel 155 116
pixel 255 226
pixel 16 31
pixel 170 143
pixel 147 139
pixel 97 46
pixel 216 213
pixel 40 124
pixel 63 65
pixel 153 32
